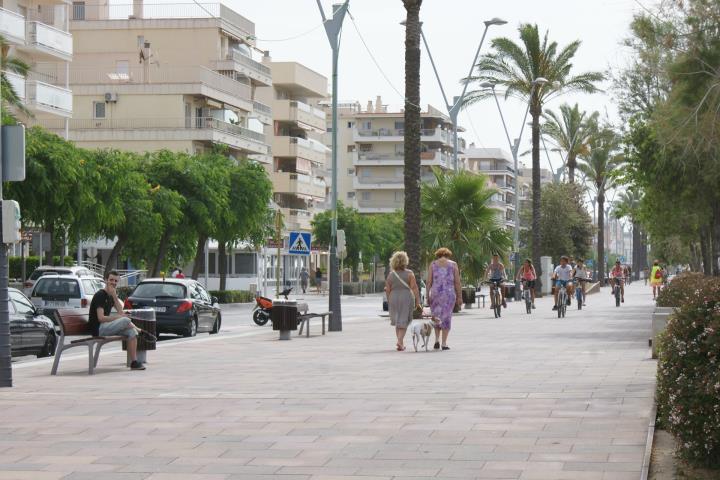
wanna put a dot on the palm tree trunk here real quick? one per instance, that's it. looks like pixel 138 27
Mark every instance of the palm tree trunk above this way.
pixel 199 256
pixel 571 164
pixel 535 111
pixel 114 254
pixel 412 132
pixel 601 238
pixel 705 250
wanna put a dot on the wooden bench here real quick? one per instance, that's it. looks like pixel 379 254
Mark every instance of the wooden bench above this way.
pixel 74 322
pixel 304 320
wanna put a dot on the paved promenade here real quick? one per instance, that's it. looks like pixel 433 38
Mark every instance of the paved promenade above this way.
pixel 523 397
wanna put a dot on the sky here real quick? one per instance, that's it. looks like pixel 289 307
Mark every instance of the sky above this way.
pixel 291 30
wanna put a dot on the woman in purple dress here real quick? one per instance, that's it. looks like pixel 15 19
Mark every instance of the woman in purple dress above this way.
pixel 444 292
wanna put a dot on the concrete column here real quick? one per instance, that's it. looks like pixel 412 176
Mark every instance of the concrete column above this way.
pixel 547 269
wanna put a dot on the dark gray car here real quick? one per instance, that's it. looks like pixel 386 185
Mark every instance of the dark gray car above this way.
pixel 31 333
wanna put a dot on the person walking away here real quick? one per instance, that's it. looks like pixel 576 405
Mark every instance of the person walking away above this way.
pixel 444 291
pixel 580 275
pixel 103 324
pixel 179 273
pixel 304 278
pixel 656 278
pixel 496 274
pixel 618 275
pixel 318 278
pixel 403 296
pixel 562 276
pixel 527 275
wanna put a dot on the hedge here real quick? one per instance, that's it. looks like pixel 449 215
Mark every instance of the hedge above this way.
pixel 688 387
pixel 31 263
pixel 681 290
pixel 233 296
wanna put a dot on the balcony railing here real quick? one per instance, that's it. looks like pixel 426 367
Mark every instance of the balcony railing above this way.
pixel 310 144
pixel 17 82
pixel 249 62
pixel 262 108
pixel 309 109
pixel 50 39
pixel 12 26
pixel 46 97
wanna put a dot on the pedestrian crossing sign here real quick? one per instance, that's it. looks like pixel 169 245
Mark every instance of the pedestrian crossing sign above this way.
pixel 299 243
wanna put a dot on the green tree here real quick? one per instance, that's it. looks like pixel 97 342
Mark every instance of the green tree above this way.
pixel 572 130
pixel 628 206
pixel 355 227
pixel 413 220
pixel 385 236
pixel 10 98
pixel 516 67
pixel 457 215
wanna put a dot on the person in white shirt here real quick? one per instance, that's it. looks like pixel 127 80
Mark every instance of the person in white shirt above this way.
pixel 562 276
pixel 580 275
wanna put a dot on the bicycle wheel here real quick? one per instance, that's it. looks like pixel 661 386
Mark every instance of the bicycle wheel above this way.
pixel 578 297
pixel 617 296
pixel 528 303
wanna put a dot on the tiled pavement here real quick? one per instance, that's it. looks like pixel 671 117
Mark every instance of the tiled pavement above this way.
pixel 523 397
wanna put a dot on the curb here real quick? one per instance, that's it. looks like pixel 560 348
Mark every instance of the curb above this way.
pixel 645 472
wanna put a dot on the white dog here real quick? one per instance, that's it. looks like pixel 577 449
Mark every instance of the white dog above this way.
pixel 422 330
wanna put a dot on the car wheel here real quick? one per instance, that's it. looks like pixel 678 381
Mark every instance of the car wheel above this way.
pixel 191 330
pixel 48 349
pixel 216 325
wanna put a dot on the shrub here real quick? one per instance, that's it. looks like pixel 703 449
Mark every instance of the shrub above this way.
pixel 124 292
pixel 233 296
pixel 681 290
pixel 688 387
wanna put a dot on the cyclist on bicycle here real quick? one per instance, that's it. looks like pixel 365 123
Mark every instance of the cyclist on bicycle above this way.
pixel 562 276
pixel 527 275
pixel 496 275
pixel 617 275
pixel 580 276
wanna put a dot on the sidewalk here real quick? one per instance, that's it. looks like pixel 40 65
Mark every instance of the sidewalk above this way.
pixel 522 397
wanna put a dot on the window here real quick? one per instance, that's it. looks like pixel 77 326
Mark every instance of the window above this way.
pixel 366 125
pixel 99 109
pixel 365 173
pixel 400 149
pixel 399 172
pixel 366 147
pixel 351 148
pixel 351 124
pixel 122 67
pixel 351 171
pixel 211 263
pixel 245 263
pixel 22 305
pixel 399 196
pixel 78 11
pixel 350 195
pixel 399 125
pixel 366 195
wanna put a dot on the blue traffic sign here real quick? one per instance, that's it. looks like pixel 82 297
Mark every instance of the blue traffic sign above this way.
pixel 589 263
pixel 299 243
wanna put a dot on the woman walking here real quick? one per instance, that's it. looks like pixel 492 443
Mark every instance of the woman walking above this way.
pixel 402 294
pixel 443 288
pixel 656 278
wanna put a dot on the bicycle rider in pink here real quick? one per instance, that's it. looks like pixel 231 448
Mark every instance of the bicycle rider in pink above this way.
pixel 618 275
pixel 528 276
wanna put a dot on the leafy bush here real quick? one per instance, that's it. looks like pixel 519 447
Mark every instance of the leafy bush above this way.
pixel 688 387
pixel 681 290
pixel 233 296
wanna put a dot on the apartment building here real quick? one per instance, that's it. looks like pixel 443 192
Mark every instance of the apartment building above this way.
pixel 175 76
pixel 525 181
pixel 371 154
pixel 38 34
pixel 497 164
pixel 299 156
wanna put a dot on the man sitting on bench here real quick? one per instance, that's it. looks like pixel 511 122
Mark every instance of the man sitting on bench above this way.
pixel 103 324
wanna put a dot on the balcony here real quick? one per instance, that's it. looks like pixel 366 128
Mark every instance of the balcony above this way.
pixel 300 147
pixel 296 219
pixel 12 27
pixel 378 206
pixel 437 135
pixel 17 82
pixel 44 97
pixel 298 184
pixel 307 117
pixel 51 42
pixel 370 159
pixel 235 61
pixel 170 129
pixel 437 159
pixel 378 183
pixel 262 112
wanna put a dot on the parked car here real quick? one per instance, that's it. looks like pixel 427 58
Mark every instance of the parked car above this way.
pixel 65 291
pixel 29 284
pixel 31 333
pixel 182 306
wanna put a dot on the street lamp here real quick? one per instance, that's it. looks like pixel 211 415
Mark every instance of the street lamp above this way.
pixel 454 109
pixel 514 146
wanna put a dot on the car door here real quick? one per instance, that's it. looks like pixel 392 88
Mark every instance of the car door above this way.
pixel 201 306
pixel 16 330
pixel 33 332
pixel 207 301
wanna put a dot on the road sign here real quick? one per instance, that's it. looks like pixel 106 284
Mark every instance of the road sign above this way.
pixel 299 243
pixel 622 259
pixel 589 263
pixel 512 256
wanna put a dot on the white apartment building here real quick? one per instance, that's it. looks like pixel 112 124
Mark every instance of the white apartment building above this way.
pixel 497 164
pixel 371 153
pixel 525 181
pixel 38 33
pixel 299 156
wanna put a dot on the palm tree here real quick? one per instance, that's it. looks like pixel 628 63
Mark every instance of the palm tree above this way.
pixel 412 132
pixel 571 130
pixel 627 206
pixel 457 214
pixel 516 68
pixel 10 98
pixel 600 167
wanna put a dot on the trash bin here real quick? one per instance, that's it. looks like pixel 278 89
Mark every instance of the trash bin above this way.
pixel 143 318
pixel 284 317
pixel 468 296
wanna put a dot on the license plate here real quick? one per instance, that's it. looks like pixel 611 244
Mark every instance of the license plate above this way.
pixel 56 304
pixel 159 309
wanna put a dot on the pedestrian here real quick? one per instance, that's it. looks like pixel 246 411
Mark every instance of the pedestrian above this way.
pixel 403 296
pixel 444 293
pixel 318 278
pixel 304 277
pixel 179 273
pixel 174 272
pixel 656 278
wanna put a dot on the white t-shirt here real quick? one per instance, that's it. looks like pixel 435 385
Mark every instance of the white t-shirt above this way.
pixel 563 273
pixel 581 273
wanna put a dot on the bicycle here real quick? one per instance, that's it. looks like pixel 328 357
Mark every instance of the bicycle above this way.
pixel 495 297
pixel 616 291
pixel 562 300
pixel 579 294
pixel 527 296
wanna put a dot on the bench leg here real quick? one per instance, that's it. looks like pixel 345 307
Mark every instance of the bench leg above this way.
pixel 56 361
pixel 97 354
pixel 307 330
pixel 302 323
pixel 91 359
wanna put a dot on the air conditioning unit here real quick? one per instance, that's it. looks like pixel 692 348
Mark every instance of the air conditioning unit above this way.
pixel 111 97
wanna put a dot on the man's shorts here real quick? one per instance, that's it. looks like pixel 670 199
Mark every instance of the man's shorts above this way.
pixel 561 283
pixel 120 326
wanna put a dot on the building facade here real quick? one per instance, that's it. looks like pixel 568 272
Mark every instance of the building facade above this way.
pixel 497 164
pixel 371 154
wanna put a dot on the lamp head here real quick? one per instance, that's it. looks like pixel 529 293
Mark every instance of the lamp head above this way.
pixel 495 21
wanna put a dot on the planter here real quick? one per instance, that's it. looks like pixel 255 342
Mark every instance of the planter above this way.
pixel 468 296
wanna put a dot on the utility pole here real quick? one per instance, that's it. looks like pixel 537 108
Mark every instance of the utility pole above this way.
pixel 333 26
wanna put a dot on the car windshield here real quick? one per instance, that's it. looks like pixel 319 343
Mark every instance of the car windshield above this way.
pixel 159 290
pixel 65 287
pixel 39 273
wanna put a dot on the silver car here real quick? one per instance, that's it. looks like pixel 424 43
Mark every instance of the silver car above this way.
pixel 65 291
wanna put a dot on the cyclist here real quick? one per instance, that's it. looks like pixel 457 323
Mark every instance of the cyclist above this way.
pixel 580 276
pixel 562 276
pixel 527 275
pixel 618 274
pixel 496 274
